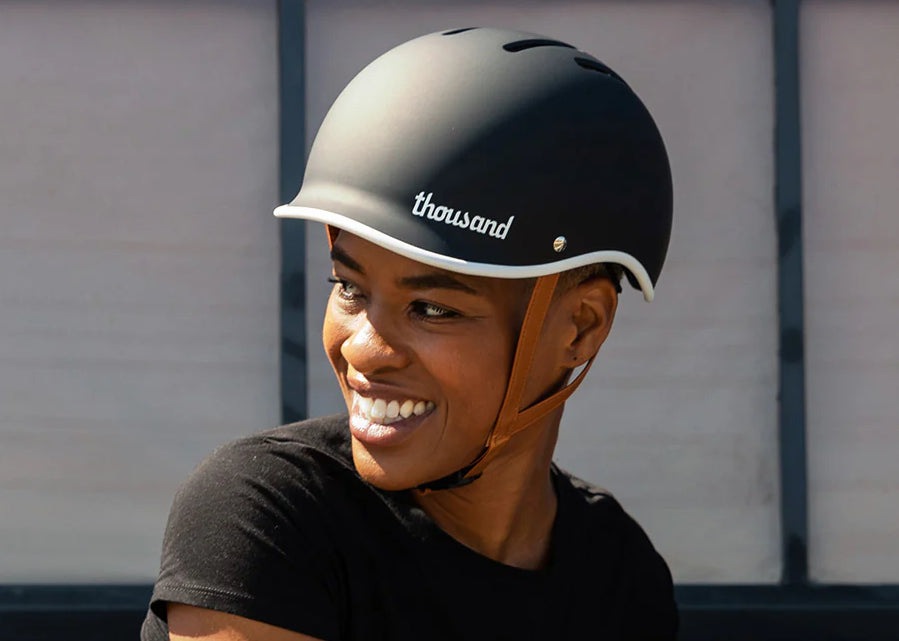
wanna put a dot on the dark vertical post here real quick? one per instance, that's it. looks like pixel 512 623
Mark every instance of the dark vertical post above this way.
pixel 788 206
pixel 291 66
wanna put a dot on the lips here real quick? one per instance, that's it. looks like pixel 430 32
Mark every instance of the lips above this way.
pixel 382 421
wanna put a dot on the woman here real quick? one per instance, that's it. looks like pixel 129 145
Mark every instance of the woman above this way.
pixel 484 191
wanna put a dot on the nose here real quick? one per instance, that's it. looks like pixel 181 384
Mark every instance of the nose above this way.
pixel 372 351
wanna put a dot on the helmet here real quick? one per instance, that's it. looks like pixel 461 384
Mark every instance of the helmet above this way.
pixel 495 153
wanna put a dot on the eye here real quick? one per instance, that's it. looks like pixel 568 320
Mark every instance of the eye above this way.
pixel 430 311
pixel 345 289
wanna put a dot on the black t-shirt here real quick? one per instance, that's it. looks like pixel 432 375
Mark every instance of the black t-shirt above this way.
pixel 279 528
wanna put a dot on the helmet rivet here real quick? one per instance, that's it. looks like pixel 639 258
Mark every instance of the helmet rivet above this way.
pixel 559 244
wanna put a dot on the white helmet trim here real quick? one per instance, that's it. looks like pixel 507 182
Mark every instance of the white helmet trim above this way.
pixel 467 267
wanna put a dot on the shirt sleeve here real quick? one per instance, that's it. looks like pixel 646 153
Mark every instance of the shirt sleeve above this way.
pixel 245 537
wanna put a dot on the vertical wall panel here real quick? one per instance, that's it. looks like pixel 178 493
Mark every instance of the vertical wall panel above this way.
pixel 678 417
pixel 850 97
pixel 138 268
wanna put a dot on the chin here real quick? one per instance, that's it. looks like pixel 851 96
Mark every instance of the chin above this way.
pixel 389 477
pixel 391 473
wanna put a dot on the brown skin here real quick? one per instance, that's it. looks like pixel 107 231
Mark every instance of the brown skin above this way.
pixel 399 329
pixel 393 330
pixel 187 623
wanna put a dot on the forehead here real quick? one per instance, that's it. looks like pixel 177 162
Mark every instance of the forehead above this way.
pixel 378 263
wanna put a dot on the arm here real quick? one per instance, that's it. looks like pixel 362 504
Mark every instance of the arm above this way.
pixel 188 623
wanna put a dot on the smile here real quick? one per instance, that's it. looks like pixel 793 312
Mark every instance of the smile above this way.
pixel 384 412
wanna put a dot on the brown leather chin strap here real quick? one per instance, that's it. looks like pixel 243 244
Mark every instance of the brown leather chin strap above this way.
pixel 332 235
pixel 511 419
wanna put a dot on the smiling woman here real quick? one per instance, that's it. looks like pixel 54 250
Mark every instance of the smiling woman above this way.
pixel 437 495
pixel 401 331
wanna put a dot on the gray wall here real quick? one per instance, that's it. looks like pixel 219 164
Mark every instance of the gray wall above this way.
pixel 139 258
pixel 851 157
pixel 138 268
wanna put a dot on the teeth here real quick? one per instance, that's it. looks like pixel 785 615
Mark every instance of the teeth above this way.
pixel 378 410
pixel 393 409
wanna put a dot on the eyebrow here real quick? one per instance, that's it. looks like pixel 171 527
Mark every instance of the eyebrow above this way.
pixel 434 280
pixel 340 256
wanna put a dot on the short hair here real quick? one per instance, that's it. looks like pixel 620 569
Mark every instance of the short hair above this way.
pixel 574 277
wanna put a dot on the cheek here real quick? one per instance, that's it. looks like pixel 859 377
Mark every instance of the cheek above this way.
pixel 473 374
pixel 334 333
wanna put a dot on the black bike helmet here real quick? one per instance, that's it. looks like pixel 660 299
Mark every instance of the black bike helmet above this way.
pixel 495 153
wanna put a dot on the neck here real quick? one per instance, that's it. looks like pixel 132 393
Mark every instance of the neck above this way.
pixel 508 513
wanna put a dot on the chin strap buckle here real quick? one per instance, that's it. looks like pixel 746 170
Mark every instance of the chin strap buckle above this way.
pixel 448 482
pixel 458 478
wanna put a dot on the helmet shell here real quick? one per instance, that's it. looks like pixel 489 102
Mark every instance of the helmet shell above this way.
pixel 497 153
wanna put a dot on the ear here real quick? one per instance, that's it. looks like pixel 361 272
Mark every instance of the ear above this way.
pixel 592 306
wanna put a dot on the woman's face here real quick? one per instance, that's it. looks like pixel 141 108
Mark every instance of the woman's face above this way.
pixel 423 357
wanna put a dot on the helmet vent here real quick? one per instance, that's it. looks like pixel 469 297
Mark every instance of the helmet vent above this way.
pixel 521 45
pixel 455 31
pixel 595 65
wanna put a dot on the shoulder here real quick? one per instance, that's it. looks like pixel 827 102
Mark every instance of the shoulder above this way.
pixel 283 476
pixel 600 517
pixel 297 454
pixel 594 508
pixel 276 475
pixel 642 583
pixel 327 436
pixel 251 532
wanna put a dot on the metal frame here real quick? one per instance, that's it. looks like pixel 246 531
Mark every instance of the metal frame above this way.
pixel 788 209
pixel 292 98
pixel 793 609
pixel 788 613
pixel 72 612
